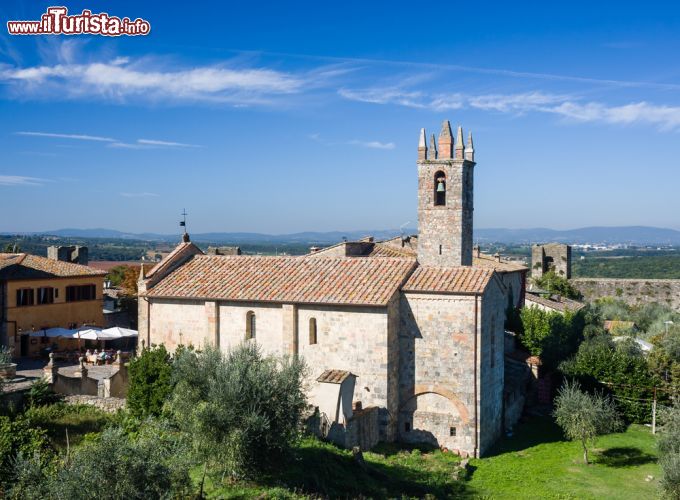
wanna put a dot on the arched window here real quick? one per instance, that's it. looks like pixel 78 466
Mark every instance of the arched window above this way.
pixel 250 325
pixel 439 188
pixel 312 331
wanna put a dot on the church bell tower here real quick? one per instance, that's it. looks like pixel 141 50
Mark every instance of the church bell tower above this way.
pixel 445 199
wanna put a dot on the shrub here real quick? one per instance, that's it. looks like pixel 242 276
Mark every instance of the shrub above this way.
pixel 599 363
pixel 17 436
pixel 553 283
pixel 150 382
pixel 153 464
pixel 41 394
pixel 582 416
pixel 5 355
pixel 669 451
pixel 241 410
pixel 551 335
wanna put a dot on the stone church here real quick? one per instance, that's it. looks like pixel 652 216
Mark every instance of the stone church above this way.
pixel 416 324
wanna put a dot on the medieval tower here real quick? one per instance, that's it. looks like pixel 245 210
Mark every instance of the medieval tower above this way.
pixel 445 199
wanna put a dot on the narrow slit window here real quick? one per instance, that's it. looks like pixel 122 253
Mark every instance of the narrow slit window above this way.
pixel 452 431
pixel 250 325
pixel 312 331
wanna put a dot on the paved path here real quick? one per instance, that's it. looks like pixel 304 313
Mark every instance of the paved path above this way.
pixel 29 370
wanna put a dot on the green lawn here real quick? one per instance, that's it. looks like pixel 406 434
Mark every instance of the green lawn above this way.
pixel 535 463
pixel 60 418
pixel 538 463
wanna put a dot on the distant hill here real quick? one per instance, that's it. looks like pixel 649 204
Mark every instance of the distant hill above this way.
pixel 633 235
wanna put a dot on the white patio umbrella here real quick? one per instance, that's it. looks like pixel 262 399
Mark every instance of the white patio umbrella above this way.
pixel 120 332
pixel 52 332
pixel 95 334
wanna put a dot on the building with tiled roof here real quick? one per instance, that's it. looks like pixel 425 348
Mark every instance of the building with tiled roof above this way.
pixel 552 302
pixel 417 321
pixel 39 292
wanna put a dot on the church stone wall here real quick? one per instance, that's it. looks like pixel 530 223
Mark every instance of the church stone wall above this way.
pixel 492 348
pixel 173 322
pixel 268 325
pixel 514 284
pixel 353 339
pixel 436 370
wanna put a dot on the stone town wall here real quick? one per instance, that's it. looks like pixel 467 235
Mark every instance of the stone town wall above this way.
pixel 632 291
pixel 436 370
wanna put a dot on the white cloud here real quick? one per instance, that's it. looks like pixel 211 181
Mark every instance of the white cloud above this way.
pixel 114 143
pixel 169 144
pixel 20 180
pixel 122 78
pixel 373 144
pixel 143 194
pixel 411 99
pixel 514 102
pixel 664 117
pixel 78 137
pixel 151 144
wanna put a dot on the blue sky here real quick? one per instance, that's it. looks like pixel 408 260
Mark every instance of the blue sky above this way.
pixel 279 118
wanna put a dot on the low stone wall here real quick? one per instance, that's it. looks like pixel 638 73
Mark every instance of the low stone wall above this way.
pixel 632 291
pixel 110 405
pixel 80 383
pixel 363 429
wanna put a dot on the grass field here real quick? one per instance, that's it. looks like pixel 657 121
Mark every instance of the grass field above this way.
pixel 534 463
pixel 538 463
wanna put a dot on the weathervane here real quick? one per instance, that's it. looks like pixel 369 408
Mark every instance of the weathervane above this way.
pixel 183 223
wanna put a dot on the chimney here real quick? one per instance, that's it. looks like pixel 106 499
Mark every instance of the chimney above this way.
pixel 497 256
pixel 422 145
pixel 445 141
pixel 314 249
pixel 72 254
pixel 460 147
pixel 477 251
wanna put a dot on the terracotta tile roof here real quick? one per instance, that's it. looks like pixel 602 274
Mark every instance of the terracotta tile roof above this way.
pixel 383 250
pixel 344 280
pixel 490 262
pixel 334 376
pixel 612 325
pixel 186 247
pixel 562 305
pixel 25 266
pixel 449 280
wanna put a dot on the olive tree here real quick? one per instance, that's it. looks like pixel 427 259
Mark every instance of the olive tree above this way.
pixel 241 410
pixel 583 416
